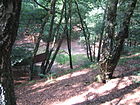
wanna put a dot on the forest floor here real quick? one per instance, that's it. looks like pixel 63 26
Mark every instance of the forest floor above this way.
pixel 78 86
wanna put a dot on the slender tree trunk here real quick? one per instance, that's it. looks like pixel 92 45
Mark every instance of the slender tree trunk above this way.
pixel 68 33
pixel 94 49
pixel 60 41
pixel 89 44
pixel 36 48
pixel 109 61
pixel 46 64
pixel 83 28
pixel 9 21
pixel 50 36
pixel 101 37
pixel 54 56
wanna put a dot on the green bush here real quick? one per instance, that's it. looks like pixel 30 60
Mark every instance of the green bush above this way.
pixel 19 54
pixel 62 59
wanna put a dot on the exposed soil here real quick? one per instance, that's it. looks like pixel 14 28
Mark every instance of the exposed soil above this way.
pixel 79 88
pixel 21 74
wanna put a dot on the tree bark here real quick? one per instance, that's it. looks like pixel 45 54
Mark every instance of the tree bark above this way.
pixel 89 44
pixel 9 21
pixel 61 39
pixel 101 36
pixel 50 36
pixel 68 33
pixel 83 28
pixel 110 60
pixel 36 48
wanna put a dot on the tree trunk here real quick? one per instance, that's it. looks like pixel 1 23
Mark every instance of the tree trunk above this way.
pixel 89 44
pixel 61 39
pixel 110 60
pixel 45 65
pixel 9 21
pixel 68 33
pixel 101 36
pixel 36 47
pixel 50 36
pixel 83 28
pixel 94 48
pixel 54 55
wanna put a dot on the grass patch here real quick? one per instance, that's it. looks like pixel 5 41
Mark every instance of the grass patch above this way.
pixel 124 59
pixel 62 58
pixel 76 59
pixel 137 73
pixel 86 65
pixel 130 50
pixel 94 65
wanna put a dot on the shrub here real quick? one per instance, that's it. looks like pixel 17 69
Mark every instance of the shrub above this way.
pixel 62 59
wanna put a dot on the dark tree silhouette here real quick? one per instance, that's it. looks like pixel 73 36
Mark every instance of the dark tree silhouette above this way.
pixel 9 21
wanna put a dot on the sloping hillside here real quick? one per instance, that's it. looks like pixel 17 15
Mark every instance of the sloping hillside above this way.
pixel 79 88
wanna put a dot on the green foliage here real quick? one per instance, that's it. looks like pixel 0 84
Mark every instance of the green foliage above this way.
pixel 77 59
pixel 132 52
pixel 94 66
pixel 80 58
pixel 137 73
pixel 19 53
pixel 86 65
pixel 48 76
pixel 62 58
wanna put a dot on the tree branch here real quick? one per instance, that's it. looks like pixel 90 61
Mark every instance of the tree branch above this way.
pixel 47 9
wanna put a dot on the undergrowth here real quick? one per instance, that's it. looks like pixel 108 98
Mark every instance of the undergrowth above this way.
pixel 130 54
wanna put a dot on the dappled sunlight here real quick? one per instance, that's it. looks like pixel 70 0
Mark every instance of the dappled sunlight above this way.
pixel 42 84
pixel 131 56
pixel 78 88
pixel 84 71
pixel 74 74
pixel 97 90
pixel 73 91
pixel 73 100
pixel 60 89
pixel 63 77
pixel 41 90
pixel 132 97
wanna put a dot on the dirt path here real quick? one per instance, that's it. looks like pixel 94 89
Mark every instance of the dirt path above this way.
pixel 76 47
pixel 21 75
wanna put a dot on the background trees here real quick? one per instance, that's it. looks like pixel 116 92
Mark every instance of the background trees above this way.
pixel 101 26
pixel 51 21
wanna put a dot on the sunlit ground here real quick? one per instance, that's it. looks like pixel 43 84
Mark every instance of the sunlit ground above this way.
pixel 79 88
